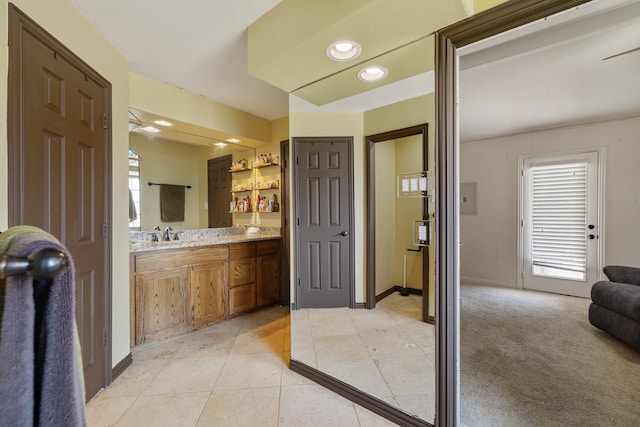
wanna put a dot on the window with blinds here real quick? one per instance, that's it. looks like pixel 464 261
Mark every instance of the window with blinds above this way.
pixel 559 220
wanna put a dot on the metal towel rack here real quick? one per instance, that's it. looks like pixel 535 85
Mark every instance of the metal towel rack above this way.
pixel 44 264
pixel 177 185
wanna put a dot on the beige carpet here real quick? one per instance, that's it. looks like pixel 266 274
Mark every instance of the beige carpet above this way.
pixel 533 359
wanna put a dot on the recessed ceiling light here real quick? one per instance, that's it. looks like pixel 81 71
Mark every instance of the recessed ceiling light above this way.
pixel 162 123
pixel 233 140
pixel 372 74
pixel 220 144
pixel 343 50
pixel 150 129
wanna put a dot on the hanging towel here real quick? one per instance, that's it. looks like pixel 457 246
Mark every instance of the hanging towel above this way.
pixel 41 382
pixel 133 214
pixel 171 203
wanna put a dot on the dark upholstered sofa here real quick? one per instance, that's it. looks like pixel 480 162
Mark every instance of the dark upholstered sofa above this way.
pixel 616 304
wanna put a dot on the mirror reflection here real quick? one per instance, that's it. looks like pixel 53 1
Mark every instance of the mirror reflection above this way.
pixel 386 351
pixel 211 171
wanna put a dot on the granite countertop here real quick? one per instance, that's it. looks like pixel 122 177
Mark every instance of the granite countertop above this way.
pixel 141 241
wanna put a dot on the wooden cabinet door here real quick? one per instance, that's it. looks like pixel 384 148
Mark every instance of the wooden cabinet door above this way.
pixel 268 283
pixel 242 272
pixel 242 298
pixel 160 300
pixel 208 293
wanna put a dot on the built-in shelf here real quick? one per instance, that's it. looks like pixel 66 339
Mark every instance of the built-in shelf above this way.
pixel 239 170
pixel 267 188
pixel 264 165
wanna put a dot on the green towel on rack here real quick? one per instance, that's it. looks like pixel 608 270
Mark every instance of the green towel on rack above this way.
pixel 171 203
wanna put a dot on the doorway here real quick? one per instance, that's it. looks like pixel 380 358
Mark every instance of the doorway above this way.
pixel 219 186
pixel 60 172
pixel 324 218
pixel 373 237
pixel 560 232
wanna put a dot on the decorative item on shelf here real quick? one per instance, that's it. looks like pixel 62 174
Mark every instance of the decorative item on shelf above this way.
pixel 265 160
pixel 240 165
pixel 240 205
pixel 265 205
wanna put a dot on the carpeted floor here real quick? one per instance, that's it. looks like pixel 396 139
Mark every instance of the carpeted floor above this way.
pixel 533 359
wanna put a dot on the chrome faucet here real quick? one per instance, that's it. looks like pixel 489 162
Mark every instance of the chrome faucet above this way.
pixel 154 236
pixel 165 236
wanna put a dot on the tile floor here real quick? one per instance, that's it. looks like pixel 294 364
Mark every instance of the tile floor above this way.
pixel 230 374
pixel 388 352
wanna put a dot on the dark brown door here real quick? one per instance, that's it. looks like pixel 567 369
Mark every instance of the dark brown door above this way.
pixel 324 211
pixel 59 172
pixel 219 191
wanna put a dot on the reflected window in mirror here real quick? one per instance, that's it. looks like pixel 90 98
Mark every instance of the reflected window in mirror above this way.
pixel 134 190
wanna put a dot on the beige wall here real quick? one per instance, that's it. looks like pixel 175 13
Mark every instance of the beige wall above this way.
pixel 170 162
pixel 65 23
pixel 489 250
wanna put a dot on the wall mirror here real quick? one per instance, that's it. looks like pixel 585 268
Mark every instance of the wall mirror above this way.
pixel 185 154
pixel 383 357
pixel 538 368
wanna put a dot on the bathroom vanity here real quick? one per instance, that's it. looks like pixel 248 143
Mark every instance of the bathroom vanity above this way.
pixel 179 286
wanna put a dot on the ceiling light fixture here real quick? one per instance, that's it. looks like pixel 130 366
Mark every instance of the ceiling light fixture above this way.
pixel 150 129
pixel 372 74
pixel 233 140
pixel 162 123
pixel 343 50
pixel 220 144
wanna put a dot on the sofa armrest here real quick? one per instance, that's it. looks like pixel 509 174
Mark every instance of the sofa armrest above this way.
pixel 623 274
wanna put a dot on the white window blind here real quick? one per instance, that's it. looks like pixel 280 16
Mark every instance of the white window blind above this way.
pixel 559 216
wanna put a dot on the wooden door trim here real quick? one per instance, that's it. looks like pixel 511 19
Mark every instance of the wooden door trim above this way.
pixel 501 18
pixel 285 224
pixel 371 141
pixel 18 22
pixel 326 139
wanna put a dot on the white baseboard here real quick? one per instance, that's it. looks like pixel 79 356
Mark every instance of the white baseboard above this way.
pixel 485 282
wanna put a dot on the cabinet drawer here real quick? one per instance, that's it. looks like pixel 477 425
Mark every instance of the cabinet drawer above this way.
pixel 242 298
pixel 268 247
pixel 178 258
pixel 242 250
pixel 242 272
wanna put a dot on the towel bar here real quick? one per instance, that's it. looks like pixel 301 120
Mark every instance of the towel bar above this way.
pixel 45 264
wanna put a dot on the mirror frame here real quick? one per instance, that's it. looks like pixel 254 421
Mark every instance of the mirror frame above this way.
pixel 371 141
pixel 498 19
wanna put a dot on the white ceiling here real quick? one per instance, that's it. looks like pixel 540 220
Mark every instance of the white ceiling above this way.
pixel 197 45
pixel 552 74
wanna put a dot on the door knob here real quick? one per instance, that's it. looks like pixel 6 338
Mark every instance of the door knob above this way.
pixel 591 236
pixel 344 233
pixel 591 226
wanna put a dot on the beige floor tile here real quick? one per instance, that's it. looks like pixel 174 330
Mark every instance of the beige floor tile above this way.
pixel 389 343
pixel 362 374
pixel 410 376
pixel 106 411
pixel 250 371
pixel 160 350
pixel 168 410
pixel 259 341
pixel 421 405
pixel 187 375
pixel 339 347
pixel 242 407
pixel 325 322
pixel 206 345
pixel 314 405
pixel 136 378
pixel 366 418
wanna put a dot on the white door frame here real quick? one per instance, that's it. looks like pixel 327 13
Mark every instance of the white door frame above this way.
pixel 600 191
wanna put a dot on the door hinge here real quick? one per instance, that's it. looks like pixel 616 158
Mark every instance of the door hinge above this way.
pixel 104 338
pixel 298 282
pixel 298 222
pixel 105 230
pixel 104 121
pixel 522 274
